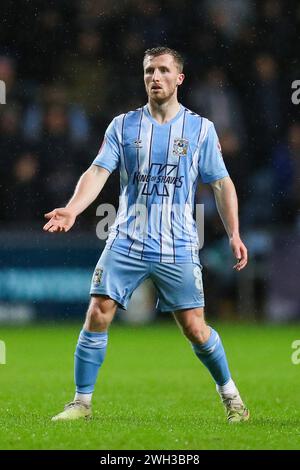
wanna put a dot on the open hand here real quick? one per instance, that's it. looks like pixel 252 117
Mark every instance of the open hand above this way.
pixel 60 220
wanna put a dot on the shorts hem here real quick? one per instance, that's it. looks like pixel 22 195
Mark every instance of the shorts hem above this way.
pixel 148 259
pixel 112 296
pixel 182 307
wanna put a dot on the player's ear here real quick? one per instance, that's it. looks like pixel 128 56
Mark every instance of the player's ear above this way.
pixel 180 79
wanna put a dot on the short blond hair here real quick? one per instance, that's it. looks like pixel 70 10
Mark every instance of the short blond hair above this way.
pixel 156 51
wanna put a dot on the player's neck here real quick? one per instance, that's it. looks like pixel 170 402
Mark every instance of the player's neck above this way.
pixel 164 112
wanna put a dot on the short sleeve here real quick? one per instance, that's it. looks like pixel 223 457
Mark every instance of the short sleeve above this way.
pixel 109 155
pixel 211 163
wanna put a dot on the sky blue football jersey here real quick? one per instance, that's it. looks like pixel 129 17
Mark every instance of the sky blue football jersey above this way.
pixel 160 166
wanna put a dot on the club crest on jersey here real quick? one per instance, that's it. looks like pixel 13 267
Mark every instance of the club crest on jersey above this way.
pixel 180 147
pixel 97 277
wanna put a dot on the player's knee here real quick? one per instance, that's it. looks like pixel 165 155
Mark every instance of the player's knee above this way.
pixel 196 333
pixel 98 317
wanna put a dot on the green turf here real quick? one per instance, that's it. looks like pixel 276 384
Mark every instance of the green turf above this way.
pixel 152 392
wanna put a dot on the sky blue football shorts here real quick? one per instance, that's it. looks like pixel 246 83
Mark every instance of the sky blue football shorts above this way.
pixel 178 286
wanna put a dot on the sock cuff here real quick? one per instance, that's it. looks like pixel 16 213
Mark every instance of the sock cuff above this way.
pixel 91 339
pixel 228 388
pixel 93 334
pixel 210 345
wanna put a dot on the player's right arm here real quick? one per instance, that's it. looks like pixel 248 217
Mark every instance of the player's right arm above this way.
pixel 89 185
pixel 87 189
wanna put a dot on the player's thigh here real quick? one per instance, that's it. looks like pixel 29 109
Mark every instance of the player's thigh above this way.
pixel 179 286
pixel 116 276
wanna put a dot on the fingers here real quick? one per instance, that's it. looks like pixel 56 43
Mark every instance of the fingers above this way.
pixel 242 258
pixel 54 228
pixel 56 212
pixel 60 221
pixel 52 222
pixel 49 215
pixel 55 225
pixel 47 226
pixel 238 265
pixel 241 264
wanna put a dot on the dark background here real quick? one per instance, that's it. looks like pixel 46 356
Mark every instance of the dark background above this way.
pixel 71 66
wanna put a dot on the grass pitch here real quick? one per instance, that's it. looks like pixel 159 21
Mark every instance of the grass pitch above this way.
pixel 152 391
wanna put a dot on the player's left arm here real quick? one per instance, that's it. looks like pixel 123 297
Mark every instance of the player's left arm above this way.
pixel 227 205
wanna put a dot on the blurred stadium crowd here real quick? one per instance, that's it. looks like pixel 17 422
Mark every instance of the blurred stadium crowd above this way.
pixel 70 67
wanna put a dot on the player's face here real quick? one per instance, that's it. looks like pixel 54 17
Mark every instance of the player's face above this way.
pixel 161 77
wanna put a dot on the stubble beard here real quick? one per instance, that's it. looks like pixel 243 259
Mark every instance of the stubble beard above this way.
pixel 161 100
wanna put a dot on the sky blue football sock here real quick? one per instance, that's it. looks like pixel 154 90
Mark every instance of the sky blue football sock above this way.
pixel 213 356
pixel 89 355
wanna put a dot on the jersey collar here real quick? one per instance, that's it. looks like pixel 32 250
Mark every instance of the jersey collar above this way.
pixel 154 121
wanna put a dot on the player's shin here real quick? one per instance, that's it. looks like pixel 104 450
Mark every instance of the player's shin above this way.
pixel 89 356
pixel 212 355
